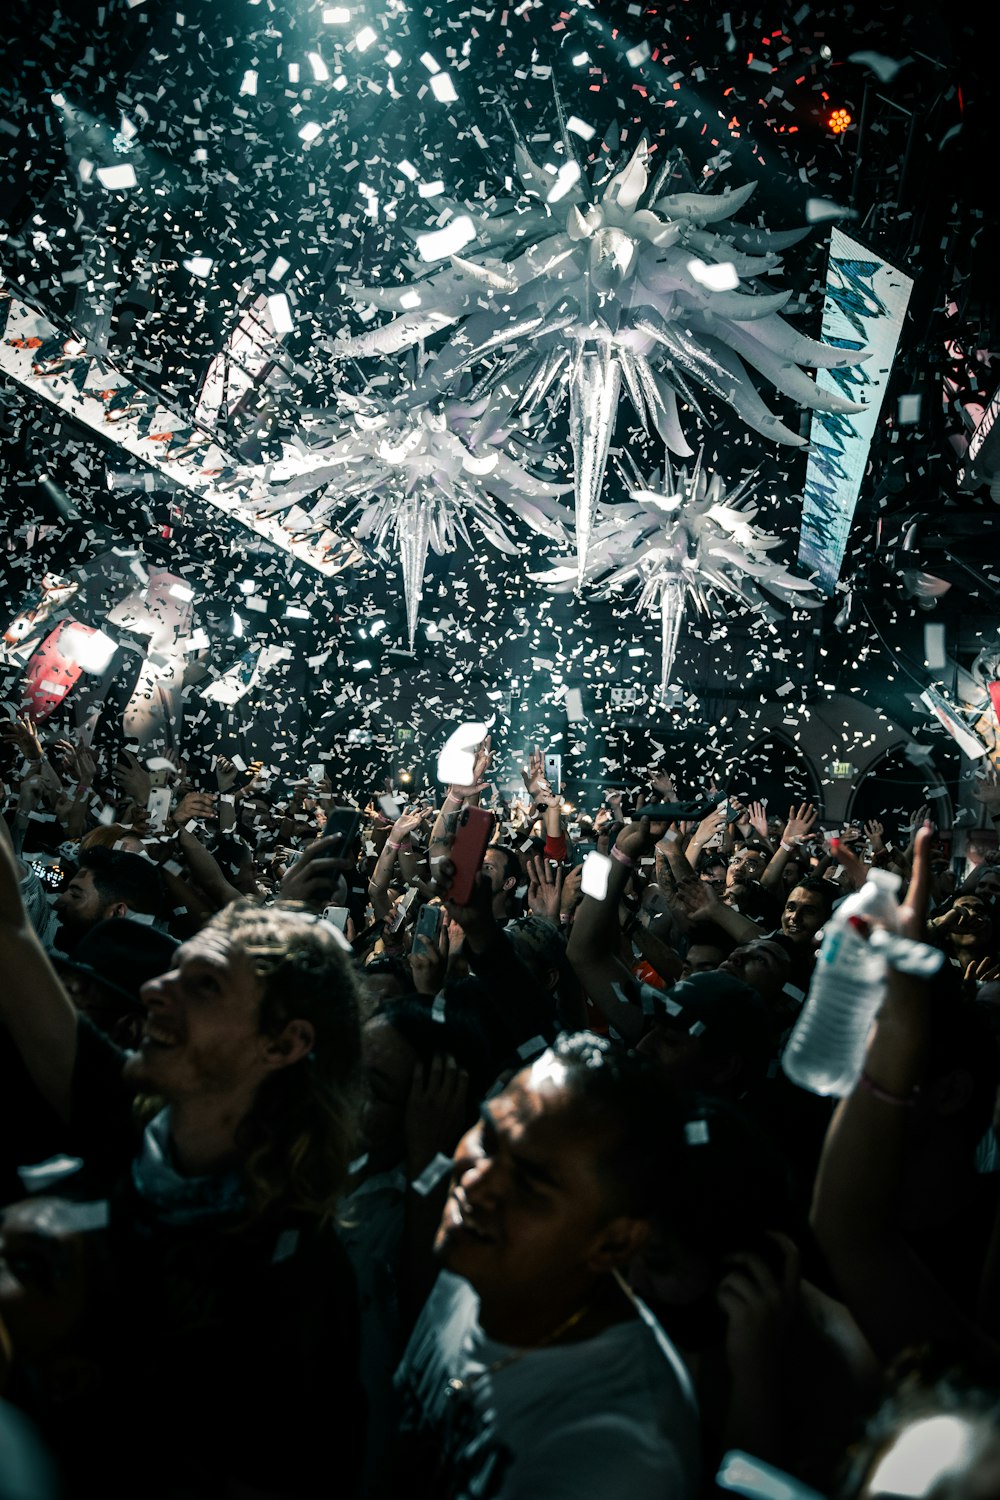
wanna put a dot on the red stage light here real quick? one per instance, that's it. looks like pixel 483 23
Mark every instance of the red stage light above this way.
pixel 838 121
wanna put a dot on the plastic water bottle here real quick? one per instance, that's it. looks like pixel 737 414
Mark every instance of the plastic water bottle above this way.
pixel 826 1050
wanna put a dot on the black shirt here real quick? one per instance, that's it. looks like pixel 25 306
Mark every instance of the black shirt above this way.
pixel 232 1348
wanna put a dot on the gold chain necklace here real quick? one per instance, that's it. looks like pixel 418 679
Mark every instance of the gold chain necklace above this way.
pixel 456 1385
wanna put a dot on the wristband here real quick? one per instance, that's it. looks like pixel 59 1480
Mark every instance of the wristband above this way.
pixel 788 848
pixel 450 797
pixel 622 857
pixel 390 845
pixel 873 1088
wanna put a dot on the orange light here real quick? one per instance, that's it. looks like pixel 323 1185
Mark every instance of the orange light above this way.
pixel 838 121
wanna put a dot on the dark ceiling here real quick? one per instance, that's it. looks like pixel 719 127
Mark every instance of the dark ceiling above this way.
pixel 744 93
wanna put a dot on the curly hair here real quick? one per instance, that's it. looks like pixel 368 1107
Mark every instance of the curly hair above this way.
pixel 301 1132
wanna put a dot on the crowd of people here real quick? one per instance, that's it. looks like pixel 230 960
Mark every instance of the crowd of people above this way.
pixel 332 1165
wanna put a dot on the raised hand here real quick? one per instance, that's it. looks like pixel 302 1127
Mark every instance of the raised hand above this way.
pixel 85 765
pixel 133 778
pixel 800 822
pixel 757 813
pixel 696 898
pixel 406 825
pixel 533 774
pixel 226 774
pixel 194 805
pixel 874 830
pixel 663 784
pixel 639 838
pixel 480 766
pixel 571 888
pixel 545 888
pixel 21 732
pixel 983 972
pixel 315 875
pixel 708 828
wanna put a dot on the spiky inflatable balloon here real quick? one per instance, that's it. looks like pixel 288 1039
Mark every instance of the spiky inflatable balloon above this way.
pixel 588 285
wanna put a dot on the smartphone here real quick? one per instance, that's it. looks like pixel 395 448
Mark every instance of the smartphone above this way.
pixel 347 822
pixel 552 771
pixel 316 774
pixel 429 924
pixel 158 806
pixel 402 912
pixel 337 916
pixel 472 837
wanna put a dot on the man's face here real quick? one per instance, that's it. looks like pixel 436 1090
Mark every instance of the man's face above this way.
pixel 803 916
pixel 762 965
pixel 974 919
pixel 702 958
pixel 744 865
pixel 201 1036
pixel 496 868
pixel 79 908
pixel 989 885
pixel 528 1203
pixel 715 875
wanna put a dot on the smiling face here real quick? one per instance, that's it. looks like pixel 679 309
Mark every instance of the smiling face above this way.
pixel 529 1210
pixel 803 916
pixel 201 1033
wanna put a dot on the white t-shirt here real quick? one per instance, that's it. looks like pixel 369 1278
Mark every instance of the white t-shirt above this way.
pixel 609 1417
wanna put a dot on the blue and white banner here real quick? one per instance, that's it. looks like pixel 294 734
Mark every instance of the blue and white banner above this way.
pixel 865 304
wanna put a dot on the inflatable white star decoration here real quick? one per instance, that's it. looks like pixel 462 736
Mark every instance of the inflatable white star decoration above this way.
pixel 579 288
pixel 415 476
pixel 684 540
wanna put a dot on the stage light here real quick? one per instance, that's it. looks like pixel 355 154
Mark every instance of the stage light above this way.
pixel 838 120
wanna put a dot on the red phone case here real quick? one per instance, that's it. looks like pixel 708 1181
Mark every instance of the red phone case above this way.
pixel 471 840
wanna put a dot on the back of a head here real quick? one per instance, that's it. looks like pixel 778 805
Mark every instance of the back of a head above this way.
pixel 129 878
pixel 639 1122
